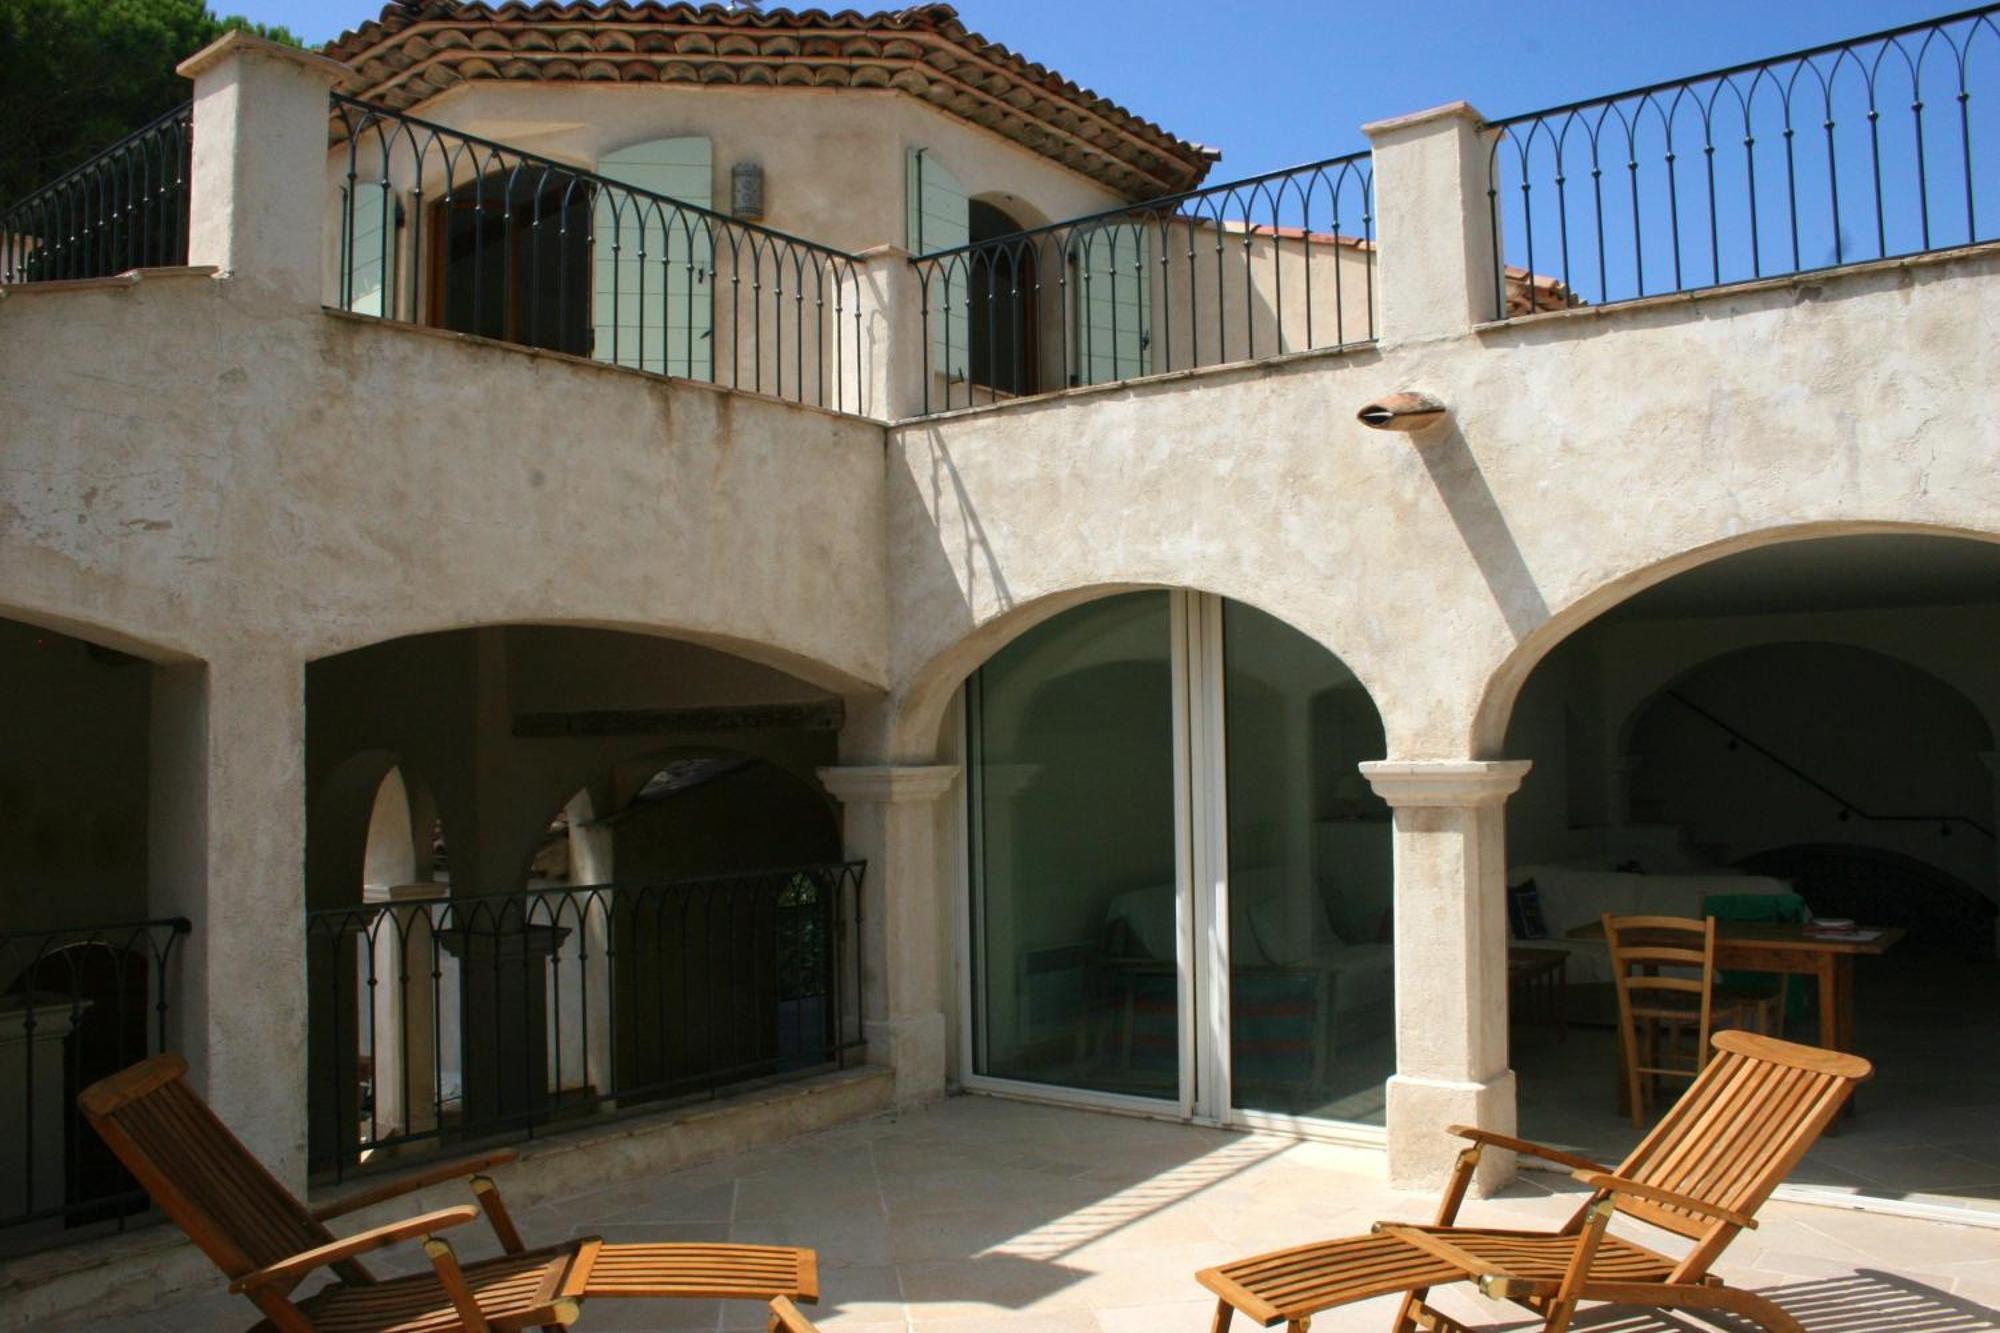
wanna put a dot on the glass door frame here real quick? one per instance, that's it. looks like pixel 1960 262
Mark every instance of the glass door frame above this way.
pixel 1201 906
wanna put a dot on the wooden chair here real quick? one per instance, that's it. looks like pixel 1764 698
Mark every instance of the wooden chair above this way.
pixel 1702 1173
pixel 1665 1016
pixel 268 1243
pixel 786 1318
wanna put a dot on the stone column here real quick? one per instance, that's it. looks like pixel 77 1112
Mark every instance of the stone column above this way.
pixel 591 847
pixel 405 1025
pixel 226 849
pixel 1434 273
pixel 892 333
pixel 1451 962
pixel 258 187
pixel 890 821
pixel 1992 760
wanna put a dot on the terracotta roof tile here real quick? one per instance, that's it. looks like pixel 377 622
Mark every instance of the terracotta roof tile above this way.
pixel 417 48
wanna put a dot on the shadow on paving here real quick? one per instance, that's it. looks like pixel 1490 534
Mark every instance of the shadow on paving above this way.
pixel 1866 1301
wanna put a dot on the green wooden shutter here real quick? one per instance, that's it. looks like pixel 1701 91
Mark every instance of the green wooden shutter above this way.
pixel 368 248
pixel 940 218
pixel 645 313
pixel 1113 270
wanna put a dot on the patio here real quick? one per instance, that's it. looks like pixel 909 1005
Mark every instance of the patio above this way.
pixel 978 1214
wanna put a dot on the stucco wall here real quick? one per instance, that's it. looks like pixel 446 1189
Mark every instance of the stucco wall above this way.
pixel 187 460
pixel 832 158
pixel 1588 456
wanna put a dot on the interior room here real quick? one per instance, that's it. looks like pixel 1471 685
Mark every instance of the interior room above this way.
pixel 1802 729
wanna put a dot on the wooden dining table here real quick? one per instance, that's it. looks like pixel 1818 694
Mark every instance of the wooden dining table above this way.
pixel 1747 946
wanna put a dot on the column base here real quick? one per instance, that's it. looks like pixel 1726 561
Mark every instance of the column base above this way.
pixel 1422 1154
pixel 913 1046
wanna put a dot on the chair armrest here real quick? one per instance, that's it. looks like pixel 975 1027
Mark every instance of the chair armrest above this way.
pixel 1610 1184
pixel 296 1267
pixel 424 1179
pixel 1486 1138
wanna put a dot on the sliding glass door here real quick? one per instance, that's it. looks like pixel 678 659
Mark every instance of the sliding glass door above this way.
pixel 1179 879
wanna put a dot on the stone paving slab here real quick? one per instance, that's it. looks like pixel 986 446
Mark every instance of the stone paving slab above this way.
pixel 978 1214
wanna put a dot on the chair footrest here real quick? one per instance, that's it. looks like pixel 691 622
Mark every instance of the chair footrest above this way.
pixel 1299 1282
pixel 713 1272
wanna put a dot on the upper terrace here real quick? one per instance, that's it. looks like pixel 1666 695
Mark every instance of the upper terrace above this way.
pixel 1840 156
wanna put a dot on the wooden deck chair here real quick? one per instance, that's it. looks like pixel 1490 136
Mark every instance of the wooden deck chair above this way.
pixel 787 1318
pixel 1702 1173
pixel 267 1242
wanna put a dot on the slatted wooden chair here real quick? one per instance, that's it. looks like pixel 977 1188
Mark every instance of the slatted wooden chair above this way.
pixel 268 1243
pixel 1663 968
pixel 1702 1173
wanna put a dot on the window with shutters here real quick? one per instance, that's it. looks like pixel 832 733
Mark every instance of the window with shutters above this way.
pixel 940 218
pixel 510 264
pixel 653 271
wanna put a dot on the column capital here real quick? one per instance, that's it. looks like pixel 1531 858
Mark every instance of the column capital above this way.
pixel 232 45
pixel 1445 782
pixel 888 784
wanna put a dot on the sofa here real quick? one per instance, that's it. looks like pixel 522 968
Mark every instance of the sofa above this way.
pixel 1572 896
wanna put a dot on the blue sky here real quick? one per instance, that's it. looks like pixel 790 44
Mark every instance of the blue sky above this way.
pixel 1286 81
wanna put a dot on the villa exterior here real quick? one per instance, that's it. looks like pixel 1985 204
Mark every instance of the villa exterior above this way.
pixel 577 458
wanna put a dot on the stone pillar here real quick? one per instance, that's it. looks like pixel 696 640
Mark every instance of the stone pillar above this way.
pixel 892 333
pixel 1992 761
pixel 591 846
pixel 890 821
pixel 226 849
pixel 405 1026
pixel 258 186
pixel 1434 273
pixel 33 1115
pixel 1451 962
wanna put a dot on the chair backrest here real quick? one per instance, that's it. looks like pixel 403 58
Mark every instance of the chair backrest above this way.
pixel 200 1174
pixel 1736 1134
pixel 1662 965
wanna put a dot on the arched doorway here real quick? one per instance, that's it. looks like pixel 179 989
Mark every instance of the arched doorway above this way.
pixel 1003 304
pixel 1180 883
pixel 1800 729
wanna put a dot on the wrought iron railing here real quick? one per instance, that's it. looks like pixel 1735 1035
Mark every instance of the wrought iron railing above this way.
pixel 125 208
pixel 445 228
pixel 1251 269
pixel 1865 149
pixel 448 1019
pixel 76 1004
pixel 1843 809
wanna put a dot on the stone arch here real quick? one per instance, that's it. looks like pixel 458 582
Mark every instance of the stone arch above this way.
pixel 1487 727
pixel 916 711
pixel 767 652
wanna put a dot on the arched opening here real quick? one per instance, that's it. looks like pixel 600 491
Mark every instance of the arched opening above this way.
pixel 1179 881
pixel 89 926
pixel 511 259
pixel 635 832
pixel 1803 729
pixel 1003 305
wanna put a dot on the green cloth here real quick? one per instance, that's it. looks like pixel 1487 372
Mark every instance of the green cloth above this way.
pixel 1785 908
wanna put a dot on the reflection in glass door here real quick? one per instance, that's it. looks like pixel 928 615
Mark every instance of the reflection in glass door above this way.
pixel 1141 770
pixel 1074 927
pixel 1311 968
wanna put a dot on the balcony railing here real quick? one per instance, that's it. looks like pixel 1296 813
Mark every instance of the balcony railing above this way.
pixel 1256 268
pixel 76 1004
pixel 125 208
pixel 1865 149
pixel 447 1019
pixel 460 232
